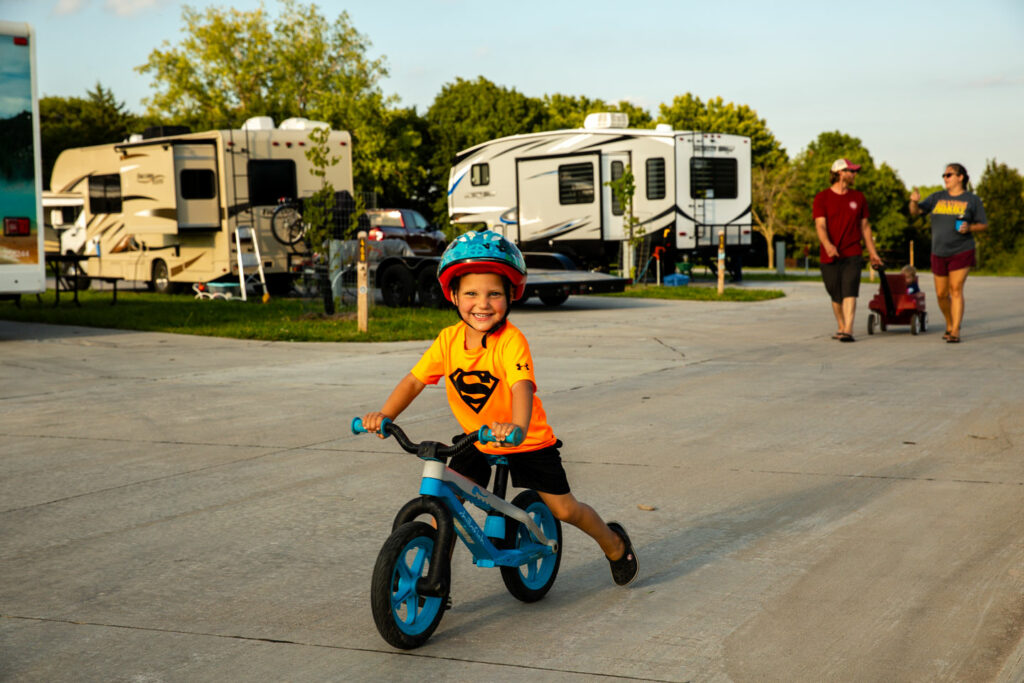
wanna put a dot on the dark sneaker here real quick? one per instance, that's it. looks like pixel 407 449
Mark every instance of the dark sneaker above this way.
pixel 626 568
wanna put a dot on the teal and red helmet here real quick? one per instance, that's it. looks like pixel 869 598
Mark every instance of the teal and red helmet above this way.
pixel 482 252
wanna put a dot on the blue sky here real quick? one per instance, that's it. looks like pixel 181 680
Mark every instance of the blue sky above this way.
pixel 921 83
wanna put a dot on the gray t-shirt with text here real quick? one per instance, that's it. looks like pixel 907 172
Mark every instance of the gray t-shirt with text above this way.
pixel 946 210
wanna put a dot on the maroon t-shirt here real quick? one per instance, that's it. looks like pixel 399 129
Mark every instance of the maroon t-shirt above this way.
pixel 843 214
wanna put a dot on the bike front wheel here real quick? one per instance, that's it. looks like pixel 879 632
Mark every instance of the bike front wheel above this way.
pixel 531 581
pixel 286 225
pixel 404 618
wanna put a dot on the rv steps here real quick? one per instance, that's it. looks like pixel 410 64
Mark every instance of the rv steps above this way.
pixel 249 260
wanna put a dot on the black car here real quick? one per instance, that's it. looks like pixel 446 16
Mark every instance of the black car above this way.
pixel 406 224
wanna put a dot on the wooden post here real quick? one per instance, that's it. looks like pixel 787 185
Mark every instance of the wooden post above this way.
pixel 721 262
pixel 911 252
pixel 363 285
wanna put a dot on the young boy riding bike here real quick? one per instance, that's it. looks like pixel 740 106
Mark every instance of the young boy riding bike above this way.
pixel 490 382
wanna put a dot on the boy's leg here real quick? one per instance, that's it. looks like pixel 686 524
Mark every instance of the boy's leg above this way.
pixel 567 509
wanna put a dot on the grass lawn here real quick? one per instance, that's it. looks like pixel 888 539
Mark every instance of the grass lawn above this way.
pixel 279 319
pixel 698 293
pixel 282 319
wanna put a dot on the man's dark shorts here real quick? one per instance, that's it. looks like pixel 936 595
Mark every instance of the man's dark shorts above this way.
pixel 943 265
pixel 842 277
pixel 540 470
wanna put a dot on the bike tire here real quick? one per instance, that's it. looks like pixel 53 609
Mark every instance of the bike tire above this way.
pixel 286 225
pixel 531 581
pixel 404 618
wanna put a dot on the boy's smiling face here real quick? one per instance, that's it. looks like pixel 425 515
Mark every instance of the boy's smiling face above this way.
pixel 481 300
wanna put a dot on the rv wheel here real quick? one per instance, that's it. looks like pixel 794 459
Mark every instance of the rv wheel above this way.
pixel 161 282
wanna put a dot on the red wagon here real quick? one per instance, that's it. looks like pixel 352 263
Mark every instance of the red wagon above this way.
pixel 893 305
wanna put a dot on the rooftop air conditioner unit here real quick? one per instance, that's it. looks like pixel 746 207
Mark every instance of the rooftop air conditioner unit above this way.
pixel 259 123
pixel 606 119
pixel 299 123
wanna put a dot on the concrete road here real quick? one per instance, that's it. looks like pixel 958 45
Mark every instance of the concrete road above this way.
pixel 178 508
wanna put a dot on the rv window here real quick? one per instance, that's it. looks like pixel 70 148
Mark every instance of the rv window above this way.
pixel 197 183
pixel 105 193
pixel 480 174
pixel 271 180
pixel 656 178
pixel 713 178
pixel 617 170
pixel 576 184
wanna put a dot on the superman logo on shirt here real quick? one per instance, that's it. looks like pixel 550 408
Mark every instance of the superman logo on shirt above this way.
pixel 474 387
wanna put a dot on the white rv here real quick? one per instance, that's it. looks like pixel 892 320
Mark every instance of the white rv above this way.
pixel 165 208
pixel 22 264
pixel 548 190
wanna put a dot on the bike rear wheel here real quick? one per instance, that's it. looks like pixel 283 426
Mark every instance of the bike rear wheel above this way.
pixel 286 225
pixel 404 618
pixel 531 581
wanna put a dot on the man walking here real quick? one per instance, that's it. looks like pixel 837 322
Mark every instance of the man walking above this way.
pixel 841 220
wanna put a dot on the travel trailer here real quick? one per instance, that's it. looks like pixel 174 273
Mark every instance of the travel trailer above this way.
pixel 548 191
pixel 22 264
pixel 172 207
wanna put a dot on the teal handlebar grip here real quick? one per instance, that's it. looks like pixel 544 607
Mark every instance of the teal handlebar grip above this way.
pixel 358 428
pixel 515 438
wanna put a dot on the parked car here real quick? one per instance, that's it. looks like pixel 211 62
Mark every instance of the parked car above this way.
pixel 408 225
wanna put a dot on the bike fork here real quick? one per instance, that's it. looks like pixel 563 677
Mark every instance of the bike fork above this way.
pixel 437 582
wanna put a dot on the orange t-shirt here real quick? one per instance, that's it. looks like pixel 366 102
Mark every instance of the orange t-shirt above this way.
pixel 480 382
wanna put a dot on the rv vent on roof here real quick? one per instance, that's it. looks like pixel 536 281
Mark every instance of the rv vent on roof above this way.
pixel 663 128
pixel 607 119
pixel 258 123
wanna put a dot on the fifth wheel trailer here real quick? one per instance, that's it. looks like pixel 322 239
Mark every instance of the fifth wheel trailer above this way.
pixel 164 207
pixel 548 191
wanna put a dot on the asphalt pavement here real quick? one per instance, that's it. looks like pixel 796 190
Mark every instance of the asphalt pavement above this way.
pixel 179 508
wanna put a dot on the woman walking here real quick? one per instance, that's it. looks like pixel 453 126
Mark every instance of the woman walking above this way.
pixel 956 214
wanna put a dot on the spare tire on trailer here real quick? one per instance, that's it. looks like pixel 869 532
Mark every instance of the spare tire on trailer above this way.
pixel 397 287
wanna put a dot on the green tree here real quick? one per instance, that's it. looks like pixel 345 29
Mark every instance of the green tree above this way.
pixel 773 206
pixel 687 112
pixel 1002 191
pixel 466 113
pixel 231 65
pixel 66 122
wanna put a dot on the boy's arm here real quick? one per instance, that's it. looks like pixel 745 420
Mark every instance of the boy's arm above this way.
pixel 522 411
pixel 402 395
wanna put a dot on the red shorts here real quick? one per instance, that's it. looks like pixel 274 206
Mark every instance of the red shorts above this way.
pixel 942 265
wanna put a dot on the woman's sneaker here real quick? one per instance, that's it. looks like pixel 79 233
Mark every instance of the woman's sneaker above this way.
pixel 626 568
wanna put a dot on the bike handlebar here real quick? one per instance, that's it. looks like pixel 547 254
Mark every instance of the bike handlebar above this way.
pixel 483 435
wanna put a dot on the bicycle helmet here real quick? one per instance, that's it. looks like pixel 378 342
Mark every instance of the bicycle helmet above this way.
pixel 482 252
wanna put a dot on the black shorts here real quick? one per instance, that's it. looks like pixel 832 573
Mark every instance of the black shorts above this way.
pixel 842 277
pixel 540 470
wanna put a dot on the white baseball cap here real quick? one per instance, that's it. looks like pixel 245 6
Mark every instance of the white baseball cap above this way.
pixel 844 165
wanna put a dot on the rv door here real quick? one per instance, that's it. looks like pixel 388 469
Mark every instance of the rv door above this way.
pixel 195 173
pixel 613 167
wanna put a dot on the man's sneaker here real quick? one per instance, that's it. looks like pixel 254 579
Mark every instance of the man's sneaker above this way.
pixel 626 568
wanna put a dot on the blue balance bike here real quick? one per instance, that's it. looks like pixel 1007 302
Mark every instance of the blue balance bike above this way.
pixel 412 576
